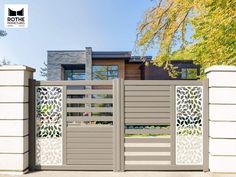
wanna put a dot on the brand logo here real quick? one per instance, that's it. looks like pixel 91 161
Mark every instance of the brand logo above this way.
pixel 16 15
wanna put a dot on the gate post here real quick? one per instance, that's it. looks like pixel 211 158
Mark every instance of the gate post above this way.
pixel 116 125
pixel 122 126
pixel 222 118
pixel 14 116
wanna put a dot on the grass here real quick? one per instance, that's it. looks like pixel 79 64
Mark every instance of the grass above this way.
pixel 144 135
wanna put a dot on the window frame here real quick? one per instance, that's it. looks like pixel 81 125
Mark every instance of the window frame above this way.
pixel 107 71
pixel 185 70
pixel 72 71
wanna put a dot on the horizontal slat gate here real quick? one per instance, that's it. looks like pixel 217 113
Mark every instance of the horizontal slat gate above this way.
pixel 92 150
pixel 147 108
pixel 150 125
pixel 118 125
pixel 90 127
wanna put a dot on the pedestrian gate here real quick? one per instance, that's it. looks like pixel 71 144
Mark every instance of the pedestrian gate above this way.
pixel 119 125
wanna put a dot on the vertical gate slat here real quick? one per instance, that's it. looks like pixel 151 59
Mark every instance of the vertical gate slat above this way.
pixel 122 123
pixel 116 125
pixel 118 154
pixel 32 84
pixel 205 125
pixel 64 123
pixel 172 124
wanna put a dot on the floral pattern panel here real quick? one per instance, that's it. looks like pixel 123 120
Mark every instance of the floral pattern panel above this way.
pixel 189 128
pixel 48 125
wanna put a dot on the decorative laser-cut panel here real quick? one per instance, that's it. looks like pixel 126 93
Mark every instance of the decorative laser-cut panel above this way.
pixel 49 151
pixel 189 128
pixel 48 125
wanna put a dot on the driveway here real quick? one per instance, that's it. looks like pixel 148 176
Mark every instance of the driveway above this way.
pixel 123 174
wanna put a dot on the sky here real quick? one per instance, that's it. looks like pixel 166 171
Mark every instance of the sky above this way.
pixel 104 25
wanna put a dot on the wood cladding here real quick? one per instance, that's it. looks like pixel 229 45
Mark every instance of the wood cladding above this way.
pixel 126 71
pixel 132 72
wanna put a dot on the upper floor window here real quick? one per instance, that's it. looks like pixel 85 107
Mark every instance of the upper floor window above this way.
pixel 74 72
pixel 104 72
pixel 74 75
pixel 189 73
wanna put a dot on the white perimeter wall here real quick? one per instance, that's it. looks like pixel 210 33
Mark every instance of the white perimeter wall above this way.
pixel 222 118
pixel 14 131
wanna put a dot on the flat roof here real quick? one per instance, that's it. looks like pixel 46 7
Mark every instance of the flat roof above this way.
pixel 111 54
pixel 65 50
pixel 126 55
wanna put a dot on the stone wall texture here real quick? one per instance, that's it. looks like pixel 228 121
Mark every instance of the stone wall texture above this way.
pixel 56 60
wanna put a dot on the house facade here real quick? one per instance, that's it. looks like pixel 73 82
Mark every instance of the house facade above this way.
pixel 107 65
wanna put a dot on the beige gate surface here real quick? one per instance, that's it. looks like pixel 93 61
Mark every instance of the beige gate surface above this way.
pixel 119 125
pixel 164 125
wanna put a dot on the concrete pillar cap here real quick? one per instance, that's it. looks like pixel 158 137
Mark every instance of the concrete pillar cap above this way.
pixel 220 68
pixel 16 68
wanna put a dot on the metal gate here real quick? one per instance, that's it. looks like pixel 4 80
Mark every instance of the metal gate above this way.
pixel 119 125
pixel 74 125
pixel 164 125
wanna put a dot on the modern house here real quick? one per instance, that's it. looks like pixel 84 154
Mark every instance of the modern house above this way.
pixel 106 65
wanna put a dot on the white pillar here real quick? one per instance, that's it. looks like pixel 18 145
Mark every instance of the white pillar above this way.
pixel 14 99
pixel 222 118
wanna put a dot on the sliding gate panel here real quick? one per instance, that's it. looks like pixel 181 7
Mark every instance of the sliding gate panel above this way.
pixel 89 126
pixel 163 125
pixel 74 125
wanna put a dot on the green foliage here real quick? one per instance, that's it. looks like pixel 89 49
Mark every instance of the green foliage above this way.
pixel 44 70
pixel 214 32
pixel 45 108
pixel 182 55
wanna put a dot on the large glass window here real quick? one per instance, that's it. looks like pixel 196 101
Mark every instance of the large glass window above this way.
pixel 74 74
pixel 189 73
pixel 105 72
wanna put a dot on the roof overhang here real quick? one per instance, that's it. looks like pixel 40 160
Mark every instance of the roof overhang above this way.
pixel 111 54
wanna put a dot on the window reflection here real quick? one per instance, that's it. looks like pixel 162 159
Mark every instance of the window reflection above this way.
pixel 105 72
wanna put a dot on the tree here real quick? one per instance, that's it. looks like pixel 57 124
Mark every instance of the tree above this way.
pixel 44 70
pixel 4 62
pixel 211 25
pixel 2 33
